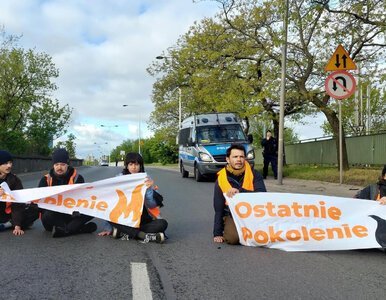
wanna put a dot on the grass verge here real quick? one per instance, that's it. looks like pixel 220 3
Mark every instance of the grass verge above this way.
pixel 354 176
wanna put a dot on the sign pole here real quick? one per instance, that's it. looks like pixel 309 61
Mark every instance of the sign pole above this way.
pixel 340 85
pixel 340 144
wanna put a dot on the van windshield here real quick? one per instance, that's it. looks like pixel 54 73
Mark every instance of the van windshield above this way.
pixel 220 134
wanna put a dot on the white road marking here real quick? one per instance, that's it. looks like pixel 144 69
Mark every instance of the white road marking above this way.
pixel 140 282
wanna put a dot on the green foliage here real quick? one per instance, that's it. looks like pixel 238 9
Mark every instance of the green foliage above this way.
pixel 350 109
pixel 233 62
pixel 29 118
pixel 259 128
pixel 69 145
pixel 154 150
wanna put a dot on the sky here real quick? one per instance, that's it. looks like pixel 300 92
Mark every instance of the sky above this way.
pixel 102 49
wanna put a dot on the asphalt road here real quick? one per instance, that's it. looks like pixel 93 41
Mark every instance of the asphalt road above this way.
pixel 187 266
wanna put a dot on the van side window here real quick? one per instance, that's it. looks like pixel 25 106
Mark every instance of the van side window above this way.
pixel 183 136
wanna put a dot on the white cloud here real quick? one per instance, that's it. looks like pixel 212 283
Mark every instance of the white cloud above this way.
pixel 102 49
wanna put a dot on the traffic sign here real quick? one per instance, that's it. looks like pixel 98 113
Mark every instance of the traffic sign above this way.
pixel 340 85
pixel 340 60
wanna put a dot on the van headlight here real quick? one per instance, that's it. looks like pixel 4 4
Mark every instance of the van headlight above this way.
pixel 205 157
pixel 251 155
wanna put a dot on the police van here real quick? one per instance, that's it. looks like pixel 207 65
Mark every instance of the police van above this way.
pixel 203 140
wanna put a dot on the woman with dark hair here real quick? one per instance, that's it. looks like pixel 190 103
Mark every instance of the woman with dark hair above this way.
pixel 152 226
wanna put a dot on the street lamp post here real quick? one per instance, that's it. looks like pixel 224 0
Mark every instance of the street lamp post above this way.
pixel 108 148
pixel 139 127
pixel 282 97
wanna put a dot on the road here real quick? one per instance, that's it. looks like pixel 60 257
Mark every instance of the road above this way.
pixel 187 266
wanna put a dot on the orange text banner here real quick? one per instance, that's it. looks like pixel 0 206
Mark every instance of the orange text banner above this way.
pixel 118 199
pixel 300 222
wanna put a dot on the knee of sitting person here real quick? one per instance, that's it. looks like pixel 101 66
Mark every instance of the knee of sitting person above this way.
pixel 232 239
pixel 165 224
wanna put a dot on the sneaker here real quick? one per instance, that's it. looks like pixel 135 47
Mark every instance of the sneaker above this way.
pixel 58 232
pixel 88 228
pixel 155 237
pixel 125 237
pixel 116 234
pixel 6 225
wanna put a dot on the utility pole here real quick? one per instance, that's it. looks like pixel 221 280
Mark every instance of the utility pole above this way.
pixel 282 97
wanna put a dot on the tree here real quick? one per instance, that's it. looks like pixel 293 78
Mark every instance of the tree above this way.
pixel 155 149
pixel 350 110
pixel 46 122
pixel 69 145
pixel 27 111
pixel 235 62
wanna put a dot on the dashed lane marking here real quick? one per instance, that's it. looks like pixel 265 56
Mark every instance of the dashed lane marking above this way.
pixel 140 282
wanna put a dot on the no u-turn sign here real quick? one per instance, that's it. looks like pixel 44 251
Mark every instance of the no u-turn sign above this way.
pixel 340 85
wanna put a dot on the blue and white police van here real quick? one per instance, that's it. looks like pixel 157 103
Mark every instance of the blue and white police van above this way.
pixel 203 140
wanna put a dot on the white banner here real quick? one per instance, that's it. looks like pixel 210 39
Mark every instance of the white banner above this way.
pixel 118 199
pixel 302 222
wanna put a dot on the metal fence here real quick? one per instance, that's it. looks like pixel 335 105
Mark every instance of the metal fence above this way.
pixel 366 149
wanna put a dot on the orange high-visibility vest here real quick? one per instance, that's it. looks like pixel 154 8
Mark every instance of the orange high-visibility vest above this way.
pixel 8 209
pixel 225 185
pixel 71 181
pixel 379 195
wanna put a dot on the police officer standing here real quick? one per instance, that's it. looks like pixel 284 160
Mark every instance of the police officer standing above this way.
pixel 270 154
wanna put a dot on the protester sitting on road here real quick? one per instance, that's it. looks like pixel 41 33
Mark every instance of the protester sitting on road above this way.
pixel 375 191
pixel 59 223
pixel 152 226
pixel 236 177
pixel 19 215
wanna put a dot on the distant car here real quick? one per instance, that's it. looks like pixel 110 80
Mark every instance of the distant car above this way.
pixel 104 163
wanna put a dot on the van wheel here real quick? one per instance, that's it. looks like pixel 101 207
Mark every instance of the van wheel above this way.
pixel 197 175
pixel 185 174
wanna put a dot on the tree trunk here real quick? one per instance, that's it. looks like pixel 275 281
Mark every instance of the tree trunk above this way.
pixel 334 122
pixel 246 130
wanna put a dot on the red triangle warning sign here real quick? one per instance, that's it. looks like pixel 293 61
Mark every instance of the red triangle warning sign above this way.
pixel 340 60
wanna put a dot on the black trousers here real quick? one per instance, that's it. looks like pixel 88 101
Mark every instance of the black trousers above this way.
pixel 30 214
pixel 270 159
pixel 154 226
pixel 70 223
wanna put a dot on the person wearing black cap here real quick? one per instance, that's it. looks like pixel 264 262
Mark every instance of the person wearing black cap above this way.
pixel 152 226
pixel 270 154
pixel 19 215
pixel 375 191
pixel 59 223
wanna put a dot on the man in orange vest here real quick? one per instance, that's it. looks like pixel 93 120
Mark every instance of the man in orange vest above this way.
pixel 19 215
pixel 59 223
pixel 236 177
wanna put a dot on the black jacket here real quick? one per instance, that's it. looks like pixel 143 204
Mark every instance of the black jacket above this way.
pixel 270 146
pixel 370 192
pixel 221 209
pixel 17 209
